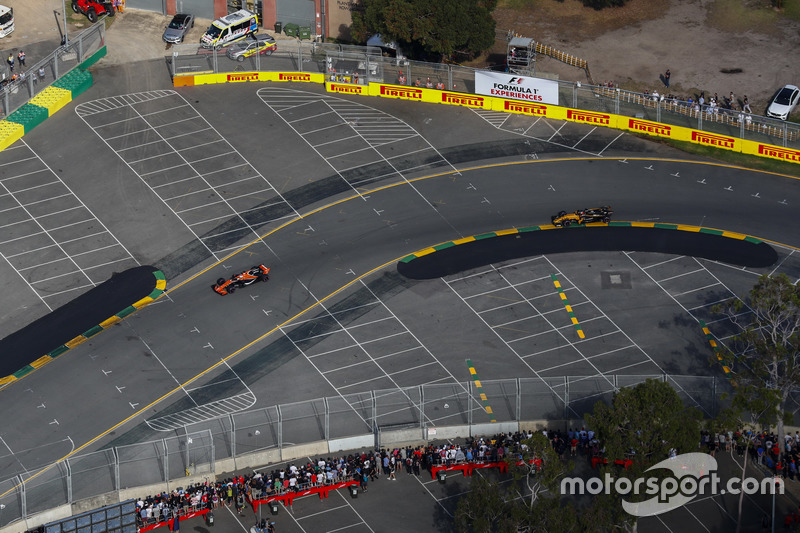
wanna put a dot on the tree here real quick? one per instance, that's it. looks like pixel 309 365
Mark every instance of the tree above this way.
pixel 751 407
pixel 765 353
pixel 429 26
pixel 644 424
pixel 529 502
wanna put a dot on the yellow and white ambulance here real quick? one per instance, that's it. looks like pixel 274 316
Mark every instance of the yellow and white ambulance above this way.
pixel 230 28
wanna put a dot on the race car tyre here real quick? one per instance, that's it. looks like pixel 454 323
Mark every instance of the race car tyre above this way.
pixel 91 15
pixel 606 219
pixel 231 289
pixel 110 9
pixel 220 281
pixel 261 277
pixel 561 214
pixel 269 52
pixel 75 7
pixel 240 58
pixel 567 223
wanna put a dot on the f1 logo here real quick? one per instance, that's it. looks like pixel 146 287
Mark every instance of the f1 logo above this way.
pixel 514 80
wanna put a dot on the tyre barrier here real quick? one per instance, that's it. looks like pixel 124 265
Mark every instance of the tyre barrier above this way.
pixel 47 102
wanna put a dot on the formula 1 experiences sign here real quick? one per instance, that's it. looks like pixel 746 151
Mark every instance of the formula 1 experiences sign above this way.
pixel 508 85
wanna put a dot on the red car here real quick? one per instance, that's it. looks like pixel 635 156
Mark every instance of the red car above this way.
pixel 248 277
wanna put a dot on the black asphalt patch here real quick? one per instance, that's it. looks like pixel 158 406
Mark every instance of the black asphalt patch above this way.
pixel 483 252
pixel 73 319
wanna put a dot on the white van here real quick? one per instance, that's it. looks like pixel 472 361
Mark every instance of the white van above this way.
pixel 6 20
pixel 230 28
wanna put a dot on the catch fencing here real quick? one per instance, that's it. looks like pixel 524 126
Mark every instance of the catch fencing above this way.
pixel 369 419
pixel 16 92
pixel 363 65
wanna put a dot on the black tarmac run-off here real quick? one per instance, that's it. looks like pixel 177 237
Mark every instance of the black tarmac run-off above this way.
pixel 483 252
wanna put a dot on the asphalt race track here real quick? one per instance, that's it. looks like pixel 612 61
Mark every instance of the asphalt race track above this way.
pixel 331 193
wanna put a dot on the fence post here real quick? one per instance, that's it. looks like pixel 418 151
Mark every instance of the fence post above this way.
pixel 374 407
pixel 233 438
pixel 658 110
pixel 300 57
pixel 80 48
pixel 166 462
pixel 69 481
pixel 566 398
pixel 422 407
pixel 616 106
pixel 519 399
pixel 469 406
pixel 280 427
pixel 785 134
pixel 116 469
pixel 213 450
pixel 22 497
pixel 327 419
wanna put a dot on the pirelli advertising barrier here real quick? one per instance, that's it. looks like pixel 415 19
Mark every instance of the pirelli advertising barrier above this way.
pixel 593 118
pixel 420 94
pixel 238 77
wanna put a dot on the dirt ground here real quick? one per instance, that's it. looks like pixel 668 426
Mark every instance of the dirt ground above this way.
pixel 696 39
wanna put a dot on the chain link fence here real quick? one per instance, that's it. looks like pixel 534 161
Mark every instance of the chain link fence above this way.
pixel 341 63
pixel 193 450
pixel 16 92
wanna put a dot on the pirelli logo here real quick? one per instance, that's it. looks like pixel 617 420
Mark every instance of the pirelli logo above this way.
pixel 253 76
pixel 779 153
pixel 710 139
pixel 407 93
pixel 525 108
pixel 462 99
pixel 589 117
pixel 346 89
pixel 652 128
pixel 295 76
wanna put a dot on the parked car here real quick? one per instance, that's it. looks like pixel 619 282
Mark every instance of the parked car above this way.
pixel 263 45
pixel 178 28
pixel 784 102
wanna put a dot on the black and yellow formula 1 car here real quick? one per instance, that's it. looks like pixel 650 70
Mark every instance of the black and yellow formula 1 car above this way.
pixel 583 216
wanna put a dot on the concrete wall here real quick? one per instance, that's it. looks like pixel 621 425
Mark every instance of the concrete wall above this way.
pixel 351 443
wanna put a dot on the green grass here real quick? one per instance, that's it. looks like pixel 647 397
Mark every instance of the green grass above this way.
pixel 739 16
pixel 731 158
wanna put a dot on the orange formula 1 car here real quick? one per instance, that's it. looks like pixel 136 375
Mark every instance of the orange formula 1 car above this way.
pixel 248 277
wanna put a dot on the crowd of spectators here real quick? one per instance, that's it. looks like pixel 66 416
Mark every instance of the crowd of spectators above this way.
pixel 239 491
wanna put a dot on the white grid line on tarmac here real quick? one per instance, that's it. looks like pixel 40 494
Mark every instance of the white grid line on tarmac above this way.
pixel 680 275
pixel 535 373
pixel 335 104
pixel 14 162
pixel 697 289
pixel 17 176
pixel 35 187
pixel 493 117
pixel 504 288
pixel 641 350
pixel 663 262
pixel 155 129
pixel 59 244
